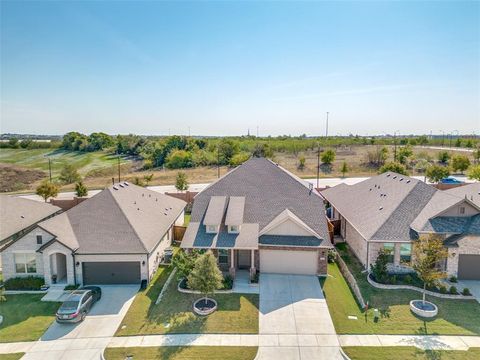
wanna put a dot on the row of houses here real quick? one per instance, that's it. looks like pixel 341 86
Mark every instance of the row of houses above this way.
pixel 258 217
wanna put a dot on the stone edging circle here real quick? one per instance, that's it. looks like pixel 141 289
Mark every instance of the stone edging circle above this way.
pixel 204 312
pixel 424 313
pixel 414 288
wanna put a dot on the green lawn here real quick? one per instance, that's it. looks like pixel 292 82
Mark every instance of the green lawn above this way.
pixel 186 219
pixel 183 353
pixel 237 313
pixel 455 317
pixel 25 317
pixel 15 356
pixel 408 353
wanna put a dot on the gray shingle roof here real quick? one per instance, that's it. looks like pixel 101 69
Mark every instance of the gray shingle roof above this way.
pixel 268 190
pixel 215 210
pixel 196 236
pixel 281 240
pixel 469 191
pixel 129 219
pixel 17 213
pixel 236 207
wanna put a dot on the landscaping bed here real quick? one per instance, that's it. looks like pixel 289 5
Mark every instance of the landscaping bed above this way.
pixel 14 356
pixel 29 283
pixel 455 317
pixel 407 353
pixel 183 353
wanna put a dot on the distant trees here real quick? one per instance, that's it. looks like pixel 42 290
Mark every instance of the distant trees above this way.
pixel 179 159
pixel 404 153
pixel 394 167
pixel 443 157
pixel 460 163
pixel 435 173
pixel 76 141
pixel 377 157
pixel 69 174
pixel 240 158
pixel 47 190
pixel 474 172
pixel 327 157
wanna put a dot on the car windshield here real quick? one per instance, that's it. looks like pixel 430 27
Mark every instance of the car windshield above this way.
pixel 69 305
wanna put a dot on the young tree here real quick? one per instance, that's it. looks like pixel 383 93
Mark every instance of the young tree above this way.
pixel 443 157
pixel 147 178
pixel 69 174
pixel 460 162
pixel 328 157
pixel 395 167
pixel 205 277
pixel 80 189
pixel 301 163
pixel 379 268
pixel 476 155
pixel 181 183
pixel 435 173
pixel 47 190
pixel 474 172
pixel 428 252
pixel 404 153
pixel 138 181
pixel 344 168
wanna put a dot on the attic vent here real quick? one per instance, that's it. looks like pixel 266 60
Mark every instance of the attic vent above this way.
pixel 115 188
pixel 380 208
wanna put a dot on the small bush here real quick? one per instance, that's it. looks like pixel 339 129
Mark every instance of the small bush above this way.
pixel 393 279
pixel 453 279
pixel 70 287
pixel 227 283
pixel 255 278
pixel 408 279
pixel 331 256
pixel 24 283
pixel 453 290
pixel 466 292
pixel 442 289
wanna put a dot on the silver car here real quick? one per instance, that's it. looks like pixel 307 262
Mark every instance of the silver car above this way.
pixel 76 306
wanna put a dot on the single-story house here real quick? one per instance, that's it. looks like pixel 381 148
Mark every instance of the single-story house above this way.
pixel 391 211
pixel 260 217
pixel 117 236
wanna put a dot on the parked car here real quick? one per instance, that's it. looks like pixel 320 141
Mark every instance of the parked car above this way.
pixel 78 304
pixel 450 180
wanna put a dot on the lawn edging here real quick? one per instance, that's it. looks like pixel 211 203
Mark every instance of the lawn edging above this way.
pixel 189 291
pixel 350 280
pixel 20 292
pixel 414 288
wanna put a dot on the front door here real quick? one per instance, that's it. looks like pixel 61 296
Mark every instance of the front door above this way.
pixel 243 259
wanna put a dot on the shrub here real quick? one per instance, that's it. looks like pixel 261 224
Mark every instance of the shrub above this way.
pixel 227 282
pixel 24 283
pixel 393 279
pixel 331 256
pixel 395 167
pixel 453 279
pixel 70 287
pixel 442 289
pixel 379 268
pixel 453 290
pixel 328 157
pixel 408 279
pixel 466 292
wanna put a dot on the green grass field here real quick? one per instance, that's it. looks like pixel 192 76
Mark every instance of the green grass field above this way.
pixel 408 353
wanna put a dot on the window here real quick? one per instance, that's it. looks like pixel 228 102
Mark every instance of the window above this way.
pixel 405 253
pixel 390 248
pixel 39 239
pixel 223 256
pixel 25 263
pixel 234 229
pixel 211 229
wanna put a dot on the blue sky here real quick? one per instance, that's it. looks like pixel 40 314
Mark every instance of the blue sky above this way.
pixel 223 67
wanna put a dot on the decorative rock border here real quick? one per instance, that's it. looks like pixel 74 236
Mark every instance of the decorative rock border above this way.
pixel 165 286
pixel 204 312
pixel 189 291
pixel 414 288
pixel 424 313
pixel 350 280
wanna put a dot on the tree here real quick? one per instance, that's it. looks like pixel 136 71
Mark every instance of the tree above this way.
pixel 328 157
pixel 138 181
pixel 47 190
pixel 344 169
pixel 435 173
pixel 181 183
pixel 147 178
pixel 205 277
pixel 460 162
pixel 394 167
pixel 239 159
pixel 69 174
pixel 184 263
pixel 262 150
pixel 428 252
pixel 458 142
pixel 227 148
pixel 476 155
pixel 443 157
pixel 474 172
pixel 379 268
pixel 403 154
pixel 301 163
pixel 81 189
pixel 179 159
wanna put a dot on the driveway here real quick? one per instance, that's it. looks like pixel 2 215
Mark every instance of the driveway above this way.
pixel 472 285
pixel 295 320
pixel 101 323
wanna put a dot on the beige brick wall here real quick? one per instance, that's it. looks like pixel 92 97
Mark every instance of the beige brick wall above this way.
pixel 356 242
pixel 156 255
pixel 467 245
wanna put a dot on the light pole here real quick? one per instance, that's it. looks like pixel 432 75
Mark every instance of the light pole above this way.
pixel 49 168
pixel 395 145
pixel 318 165
pixel 326 127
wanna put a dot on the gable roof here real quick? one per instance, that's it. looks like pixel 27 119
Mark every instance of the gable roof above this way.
pixel 17 214
pixel 268 190
pixel 119 219
pixel 469 191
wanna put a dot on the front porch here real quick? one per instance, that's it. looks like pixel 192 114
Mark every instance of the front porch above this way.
pixel 233 260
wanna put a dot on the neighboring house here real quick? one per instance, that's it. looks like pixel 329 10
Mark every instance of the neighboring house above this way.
pixel 260 217
pixel 18 216
pixel 390 211
pixel 115 237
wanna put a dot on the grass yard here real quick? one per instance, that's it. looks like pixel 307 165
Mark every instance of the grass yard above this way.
pixel 455 317
pixel 183 353
pixel 15 356
pixel 186 219
pixel 25 317
pixel 237 313
pixel 408 353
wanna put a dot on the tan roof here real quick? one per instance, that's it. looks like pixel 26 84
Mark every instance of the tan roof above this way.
pixel 17 213
pixel 120 219
pixel 236 206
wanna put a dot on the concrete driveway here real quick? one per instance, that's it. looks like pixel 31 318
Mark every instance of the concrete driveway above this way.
pixel 472 285
pixel 295 317
pixel 101 323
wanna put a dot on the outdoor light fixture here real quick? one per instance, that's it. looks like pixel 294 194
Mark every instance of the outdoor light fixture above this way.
pixel 77 263
pixel 143 262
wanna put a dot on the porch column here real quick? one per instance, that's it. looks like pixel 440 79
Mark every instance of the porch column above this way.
pixel 253 270
pixel 396 254
pixel 232 263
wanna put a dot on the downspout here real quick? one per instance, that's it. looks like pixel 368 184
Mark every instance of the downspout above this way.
pixel 74 270
pixel 368 257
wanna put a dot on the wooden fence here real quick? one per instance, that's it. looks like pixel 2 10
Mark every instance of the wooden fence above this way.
pixel 178 232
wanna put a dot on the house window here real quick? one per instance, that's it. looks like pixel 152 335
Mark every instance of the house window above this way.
pixel 211 229
pixel 462 210
pixel 234 229
pixel 25 263
pixel 223 256
pixel 390 248
pixel 405 253
pixel 39 239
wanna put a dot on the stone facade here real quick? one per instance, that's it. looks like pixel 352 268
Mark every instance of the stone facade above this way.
pixel 50 265
pixel 467 245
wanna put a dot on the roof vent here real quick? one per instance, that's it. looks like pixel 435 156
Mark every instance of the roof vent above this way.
pixel 408 181
pixel 370 189
pixel 126 183
pixel 388 175
pixel 380 208
pixel 138 208
pixel 401 179
pixel 394 177
pixel 23 217
pixel 115 188
pixel 143 195
pixel 156 199
pixel 149 195
pixel 134 202
pixel 165 214
pixel 121 185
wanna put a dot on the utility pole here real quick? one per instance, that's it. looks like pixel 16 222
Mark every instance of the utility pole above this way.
pixel 50 168
pixel 326 128
pixel 318 165
pixel 118 158
pixel 395 145
pixel 218 162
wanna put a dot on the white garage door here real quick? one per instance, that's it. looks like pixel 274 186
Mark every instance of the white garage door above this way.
pixel 288 262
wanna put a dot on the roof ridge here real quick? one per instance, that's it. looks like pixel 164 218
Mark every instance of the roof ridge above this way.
pixel 110 189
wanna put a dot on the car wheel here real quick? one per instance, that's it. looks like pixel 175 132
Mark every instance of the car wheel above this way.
pixel 84 314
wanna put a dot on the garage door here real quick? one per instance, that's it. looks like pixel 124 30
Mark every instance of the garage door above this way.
pixel 288 262
pixel 469 267
pixel 122 272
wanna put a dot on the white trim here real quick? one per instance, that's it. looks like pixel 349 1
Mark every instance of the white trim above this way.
pixel 284 216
